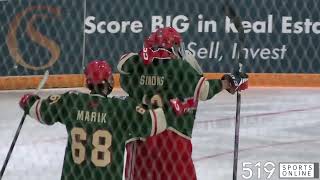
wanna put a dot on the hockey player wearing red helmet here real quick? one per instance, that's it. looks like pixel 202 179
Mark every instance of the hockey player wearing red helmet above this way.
pixel 166 75
pixel 98 126
pixel 99 78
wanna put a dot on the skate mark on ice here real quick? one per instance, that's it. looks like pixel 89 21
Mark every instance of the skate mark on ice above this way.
pixel 257 147
pixel 261 114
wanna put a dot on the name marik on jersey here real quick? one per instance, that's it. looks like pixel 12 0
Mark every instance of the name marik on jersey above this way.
pixel 151 80
pixel 90 116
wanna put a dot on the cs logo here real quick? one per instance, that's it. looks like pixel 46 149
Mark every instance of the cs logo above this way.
pixel 34 35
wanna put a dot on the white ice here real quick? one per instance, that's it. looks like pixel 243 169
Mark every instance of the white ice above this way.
pixel 277 125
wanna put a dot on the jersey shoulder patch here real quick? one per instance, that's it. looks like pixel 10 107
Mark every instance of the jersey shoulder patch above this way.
pixel 124 58
pixel 71 93
pixel 54 98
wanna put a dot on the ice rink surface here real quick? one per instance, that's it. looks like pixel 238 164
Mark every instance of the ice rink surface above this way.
pixel 277 125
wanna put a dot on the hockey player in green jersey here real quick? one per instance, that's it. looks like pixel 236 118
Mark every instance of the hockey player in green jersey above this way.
pixel 98 127
pixel 165 75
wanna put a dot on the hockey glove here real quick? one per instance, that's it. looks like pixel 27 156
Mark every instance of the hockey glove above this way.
pixel 180 107
pixel 27 101
pixel 238 82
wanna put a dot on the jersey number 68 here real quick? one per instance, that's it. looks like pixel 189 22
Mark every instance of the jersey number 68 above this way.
pixel 101 141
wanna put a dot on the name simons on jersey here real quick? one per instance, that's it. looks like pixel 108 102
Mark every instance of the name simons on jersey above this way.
pixel 89 116
pixel 151 80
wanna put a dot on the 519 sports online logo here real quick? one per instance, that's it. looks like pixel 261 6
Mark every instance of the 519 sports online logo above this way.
pixel 282 170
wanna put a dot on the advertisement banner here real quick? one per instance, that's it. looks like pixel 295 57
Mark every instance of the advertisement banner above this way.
pixel 62 36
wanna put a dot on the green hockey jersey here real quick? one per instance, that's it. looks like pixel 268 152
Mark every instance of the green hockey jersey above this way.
pixel 98 128
pixel 163 80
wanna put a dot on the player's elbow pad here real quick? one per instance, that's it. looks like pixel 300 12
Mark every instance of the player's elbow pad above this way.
pixel 204 91
pixel 34 112
pixel 159 122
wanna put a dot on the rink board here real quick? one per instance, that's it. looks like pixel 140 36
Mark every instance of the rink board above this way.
pixel 63 36
pixel 77 80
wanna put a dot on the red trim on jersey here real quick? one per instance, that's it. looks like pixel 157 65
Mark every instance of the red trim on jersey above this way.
pixel 133 160
pixel 129 161
pixel 37 111
pixel 155 123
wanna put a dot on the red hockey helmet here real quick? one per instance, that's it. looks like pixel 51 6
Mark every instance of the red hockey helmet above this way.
pixel 97 72
pixel 166 37
pixel 165 43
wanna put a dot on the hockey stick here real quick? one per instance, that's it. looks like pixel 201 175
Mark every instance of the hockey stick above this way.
pixel 237 69
pixel 40 86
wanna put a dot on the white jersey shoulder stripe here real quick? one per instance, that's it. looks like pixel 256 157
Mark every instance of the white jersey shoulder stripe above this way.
pixel 123 59
pixel 154 123
pixel 193 61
